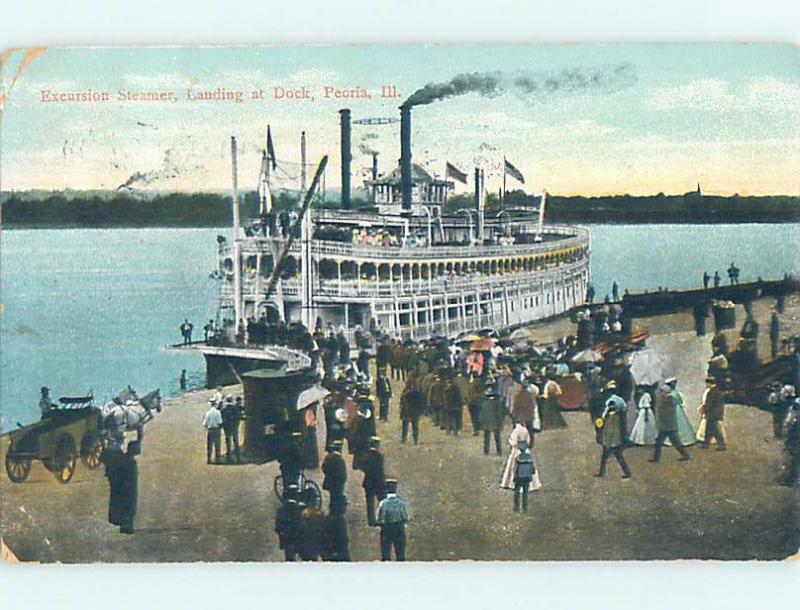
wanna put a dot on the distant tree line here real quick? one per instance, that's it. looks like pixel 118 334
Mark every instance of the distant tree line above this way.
pixel 211 210
pixel 661 208
pixel 128 210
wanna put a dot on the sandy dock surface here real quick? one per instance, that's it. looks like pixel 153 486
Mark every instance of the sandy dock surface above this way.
pixel 719 505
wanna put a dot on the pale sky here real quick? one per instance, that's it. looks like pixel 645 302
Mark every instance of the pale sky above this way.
pixel 726 116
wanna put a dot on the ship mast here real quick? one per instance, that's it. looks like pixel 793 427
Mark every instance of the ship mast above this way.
pixel 306 265
pixel 264 194
pixel 538 236
pixel 237 244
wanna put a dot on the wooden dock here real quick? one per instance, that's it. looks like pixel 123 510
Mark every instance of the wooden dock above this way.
pixel 666 301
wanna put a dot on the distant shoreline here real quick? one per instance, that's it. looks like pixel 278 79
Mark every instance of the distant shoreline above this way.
pixel 106 210
pixel 569 221
pixel 224 227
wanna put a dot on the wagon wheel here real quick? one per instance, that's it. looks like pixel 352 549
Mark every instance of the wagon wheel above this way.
pixel 65 458
pixel 17 467
pixel 312 495
pixel 92 450
pixel 278 487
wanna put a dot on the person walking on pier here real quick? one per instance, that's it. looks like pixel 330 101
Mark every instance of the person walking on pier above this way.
pixel 186 331
pixel 392 519
pixel 717 279
pixel 615 291
pixel 774 334
pixel 700 313
pixel 611 436
pixel 474 399
pixel 212 421
pixel 122 473
pixel 412 404
pixel 436 407
pixel 453 406
pixel 524 471
pixel 733 274
pixel 792 448
pixel 232 415
pixel 208 330
pixel 666 408
pixel 462 383
pixel 590 294
pixel 383 388
pixel 334 470
pixel 550 411
pixel 288 523
pixel 706 280
pixel 780 402
pixel 374 483
pixel 336 542
pixel 713 411
pixel 491 418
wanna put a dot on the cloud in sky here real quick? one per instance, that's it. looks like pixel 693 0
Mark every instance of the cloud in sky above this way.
pixel 719 95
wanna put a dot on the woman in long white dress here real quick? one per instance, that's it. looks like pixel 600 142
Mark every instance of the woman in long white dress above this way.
pixel 644 431
pixel 519 433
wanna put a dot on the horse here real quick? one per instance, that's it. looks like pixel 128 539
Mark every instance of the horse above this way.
pixel 127 412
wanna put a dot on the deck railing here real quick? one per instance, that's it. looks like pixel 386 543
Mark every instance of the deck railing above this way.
pixel 572 236
pixel 435 286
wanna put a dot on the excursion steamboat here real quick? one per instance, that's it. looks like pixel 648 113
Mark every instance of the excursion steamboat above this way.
pixel 400 264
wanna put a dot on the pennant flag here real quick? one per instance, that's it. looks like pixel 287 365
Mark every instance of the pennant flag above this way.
pixel 271 148
pixel 513 171
pixel 455 173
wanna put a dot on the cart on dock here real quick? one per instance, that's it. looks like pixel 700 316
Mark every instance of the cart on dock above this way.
pixel 65 433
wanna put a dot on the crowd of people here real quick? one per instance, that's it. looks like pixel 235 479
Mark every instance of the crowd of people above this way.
pixel 482 384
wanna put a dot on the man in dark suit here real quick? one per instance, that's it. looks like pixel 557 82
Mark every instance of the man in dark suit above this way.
pixel 335 471
pixel 374 478
pixel 383 388
pixel 232 415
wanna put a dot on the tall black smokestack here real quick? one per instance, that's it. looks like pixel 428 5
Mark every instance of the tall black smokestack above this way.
pixel 405 157
pixel 374 176
pixel 347 157
pixel 477 189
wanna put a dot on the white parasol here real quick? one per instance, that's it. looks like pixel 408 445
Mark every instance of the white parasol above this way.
pixel 647 367
pixel 311 395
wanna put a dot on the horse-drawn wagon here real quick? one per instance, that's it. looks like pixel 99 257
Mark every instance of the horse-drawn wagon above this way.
pixel 76 428
pixel 73 430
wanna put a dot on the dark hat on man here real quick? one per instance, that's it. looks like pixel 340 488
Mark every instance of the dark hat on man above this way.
pixel 374 441
pixel 45 389
pixel 337 445
pixel 391 485
pixel 671 381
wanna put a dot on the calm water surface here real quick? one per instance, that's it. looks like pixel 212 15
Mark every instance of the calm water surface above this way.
pixel 93 309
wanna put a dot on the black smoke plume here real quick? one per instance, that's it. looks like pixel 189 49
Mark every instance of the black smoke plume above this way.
pixel 603 79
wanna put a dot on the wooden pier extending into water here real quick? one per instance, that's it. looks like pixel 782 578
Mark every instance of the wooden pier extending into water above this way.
pixel 649 303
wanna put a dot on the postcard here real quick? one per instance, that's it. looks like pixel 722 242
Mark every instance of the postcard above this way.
pixel 400 303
